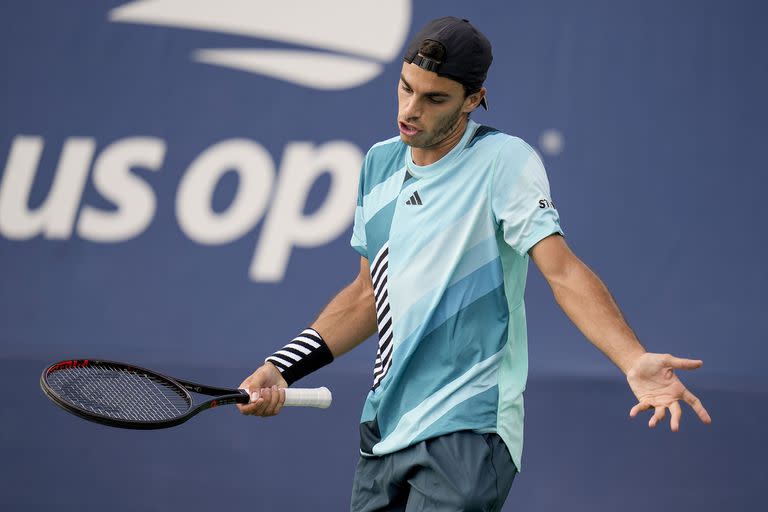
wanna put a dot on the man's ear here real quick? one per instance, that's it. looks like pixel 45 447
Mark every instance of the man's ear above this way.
pixel 473 100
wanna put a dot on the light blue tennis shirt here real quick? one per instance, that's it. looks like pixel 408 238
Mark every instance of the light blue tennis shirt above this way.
pixel 447 245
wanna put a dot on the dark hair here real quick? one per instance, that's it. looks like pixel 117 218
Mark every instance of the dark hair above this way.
pixel 435 50
pixel 432 50
pixel 468 91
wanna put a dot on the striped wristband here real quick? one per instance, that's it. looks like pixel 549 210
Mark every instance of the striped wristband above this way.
pixel 302 356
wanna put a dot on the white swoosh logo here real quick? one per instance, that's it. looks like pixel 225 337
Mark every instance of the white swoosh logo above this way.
pixel 352 38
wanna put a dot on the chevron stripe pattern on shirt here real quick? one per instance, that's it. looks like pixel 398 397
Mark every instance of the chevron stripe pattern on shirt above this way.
pixel 449 286
pixel 383 315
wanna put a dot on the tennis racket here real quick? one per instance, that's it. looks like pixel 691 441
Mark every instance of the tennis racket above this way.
pixel 127 396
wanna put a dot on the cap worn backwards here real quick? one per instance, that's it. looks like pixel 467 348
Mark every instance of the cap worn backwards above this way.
pixel 467 52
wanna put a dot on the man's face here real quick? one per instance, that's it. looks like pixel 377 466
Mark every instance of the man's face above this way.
pixel 431 108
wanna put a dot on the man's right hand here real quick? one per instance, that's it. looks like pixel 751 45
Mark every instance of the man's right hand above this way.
pixel 267 389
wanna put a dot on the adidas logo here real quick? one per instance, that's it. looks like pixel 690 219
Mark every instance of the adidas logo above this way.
pixel 415 199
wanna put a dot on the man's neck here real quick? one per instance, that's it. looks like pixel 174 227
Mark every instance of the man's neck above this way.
pixel 430 155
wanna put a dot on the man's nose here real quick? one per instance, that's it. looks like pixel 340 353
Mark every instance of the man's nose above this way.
pixel 411 108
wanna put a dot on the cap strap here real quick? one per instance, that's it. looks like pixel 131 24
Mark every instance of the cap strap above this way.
pixel 426 63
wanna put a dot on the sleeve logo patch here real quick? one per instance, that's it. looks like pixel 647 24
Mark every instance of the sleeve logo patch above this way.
pixel 545 203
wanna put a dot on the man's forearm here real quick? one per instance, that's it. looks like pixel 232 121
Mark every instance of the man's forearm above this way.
pixel 349 319
pixel 590 306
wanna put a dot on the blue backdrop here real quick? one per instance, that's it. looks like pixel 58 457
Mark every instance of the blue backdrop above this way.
pixel 176 185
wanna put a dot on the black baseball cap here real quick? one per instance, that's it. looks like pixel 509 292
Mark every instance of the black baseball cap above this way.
pixel 467 52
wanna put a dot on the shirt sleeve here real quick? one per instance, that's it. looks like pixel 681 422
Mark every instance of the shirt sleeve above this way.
pixel 520 197
pixel 359 242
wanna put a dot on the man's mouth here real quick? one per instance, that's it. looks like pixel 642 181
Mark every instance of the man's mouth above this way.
pixel 407 129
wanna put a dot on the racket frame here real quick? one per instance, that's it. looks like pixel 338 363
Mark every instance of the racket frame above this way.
pixel 221 396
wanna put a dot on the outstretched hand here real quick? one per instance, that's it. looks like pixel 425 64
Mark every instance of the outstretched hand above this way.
pixel 653 381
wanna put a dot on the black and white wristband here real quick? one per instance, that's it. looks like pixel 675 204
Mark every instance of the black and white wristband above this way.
pixel 302 356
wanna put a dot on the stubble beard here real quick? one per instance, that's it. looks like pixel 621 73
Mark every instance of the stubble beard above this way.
pixel 443 131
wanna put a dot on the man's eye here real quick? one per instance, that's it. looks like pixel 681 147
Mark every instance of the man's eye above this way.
pixel 406 88
pixel 436 100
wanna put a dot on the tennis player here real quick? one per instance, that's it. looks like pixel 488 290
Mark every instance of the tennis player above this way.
pixel 448 214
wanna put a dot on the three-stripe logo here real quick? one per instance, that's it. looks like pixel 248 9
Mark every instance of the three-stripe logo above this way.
pixel 415 199
pixel 383 315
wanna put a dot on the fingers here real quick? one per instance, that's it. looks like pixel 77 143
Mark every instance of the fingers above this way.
pixel 684 364
pixel 264 402
pixel 658 415
pixel 639 408
pixel 254 406
pixel 697 406
pixel 675 412
pixel 263 386
pixel 273 400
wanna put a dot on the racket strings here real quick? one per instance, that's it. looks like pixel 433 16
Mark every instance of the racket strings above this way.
pixel 157 396
pixel 119 393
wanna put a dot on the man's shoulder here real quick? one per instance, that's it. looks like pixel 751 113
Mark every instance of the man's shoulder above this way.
pixel 395 141
pixel 386 148
pixel 382 160
pixel 502 149
pixel 385 154
pixel 487 137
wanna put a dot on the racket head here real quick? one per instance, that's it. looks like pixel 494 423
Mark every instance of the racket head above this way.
pixel 116 394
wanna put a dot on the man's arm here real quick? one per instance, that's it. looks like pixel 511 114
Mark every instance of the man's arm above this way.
pixel 589 305
pixel 348 320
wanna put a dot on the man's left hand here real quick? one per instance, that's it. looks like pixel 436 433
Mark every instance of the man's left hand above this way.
pixel 654 383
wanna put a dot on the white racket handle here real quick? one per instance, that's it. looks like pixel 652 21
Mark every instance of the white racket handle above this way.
pixel 308 397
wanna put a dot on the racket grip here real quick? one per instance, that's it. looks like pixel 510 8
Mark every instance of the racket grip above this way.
pixel 306 397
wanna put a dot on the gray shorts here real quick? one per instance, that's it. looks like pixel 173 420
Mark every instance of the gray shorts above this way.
pixel 462 471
